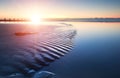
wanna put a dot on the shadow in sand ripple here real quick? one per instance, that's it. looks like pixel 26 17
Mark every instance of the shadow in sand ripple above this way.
pixel 34 51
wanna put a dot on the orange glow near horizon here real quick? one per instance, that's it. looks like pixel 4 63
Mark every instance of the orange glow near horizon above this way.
pixel 59 9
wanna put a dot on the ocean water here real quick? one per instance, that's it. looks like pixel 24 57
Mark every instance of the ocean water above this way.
pixel 27 48
pixel 96 53
pixel 93 48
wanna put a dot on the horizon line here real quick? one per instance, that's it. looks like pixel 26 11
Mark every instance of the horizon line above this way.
pixel 63 19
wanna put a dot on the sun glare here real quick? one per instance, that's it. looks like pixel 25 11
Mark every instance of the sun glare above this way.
pixel 35 19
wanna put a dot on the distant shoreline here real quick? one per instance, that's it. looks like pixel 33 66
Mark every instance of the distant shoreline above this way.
pixel 65 20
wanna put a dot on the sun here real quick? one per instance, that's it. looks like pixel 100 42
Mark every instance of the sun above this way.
pixel 35 19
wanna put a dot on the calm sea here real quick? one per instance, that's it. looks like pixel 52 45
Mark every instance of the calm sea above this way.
pixel 95 53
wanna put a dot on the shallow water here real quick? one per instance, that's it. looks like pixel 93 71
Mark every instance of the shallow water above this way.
pixel 26 49
pixel 95 53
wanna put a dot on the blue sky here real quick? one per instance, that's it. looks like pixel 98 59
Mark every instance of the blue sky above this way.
pixel 60 8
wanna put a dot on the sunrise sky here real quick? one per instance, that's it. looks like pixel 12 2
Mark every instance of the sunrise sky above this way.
pixel 59 8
